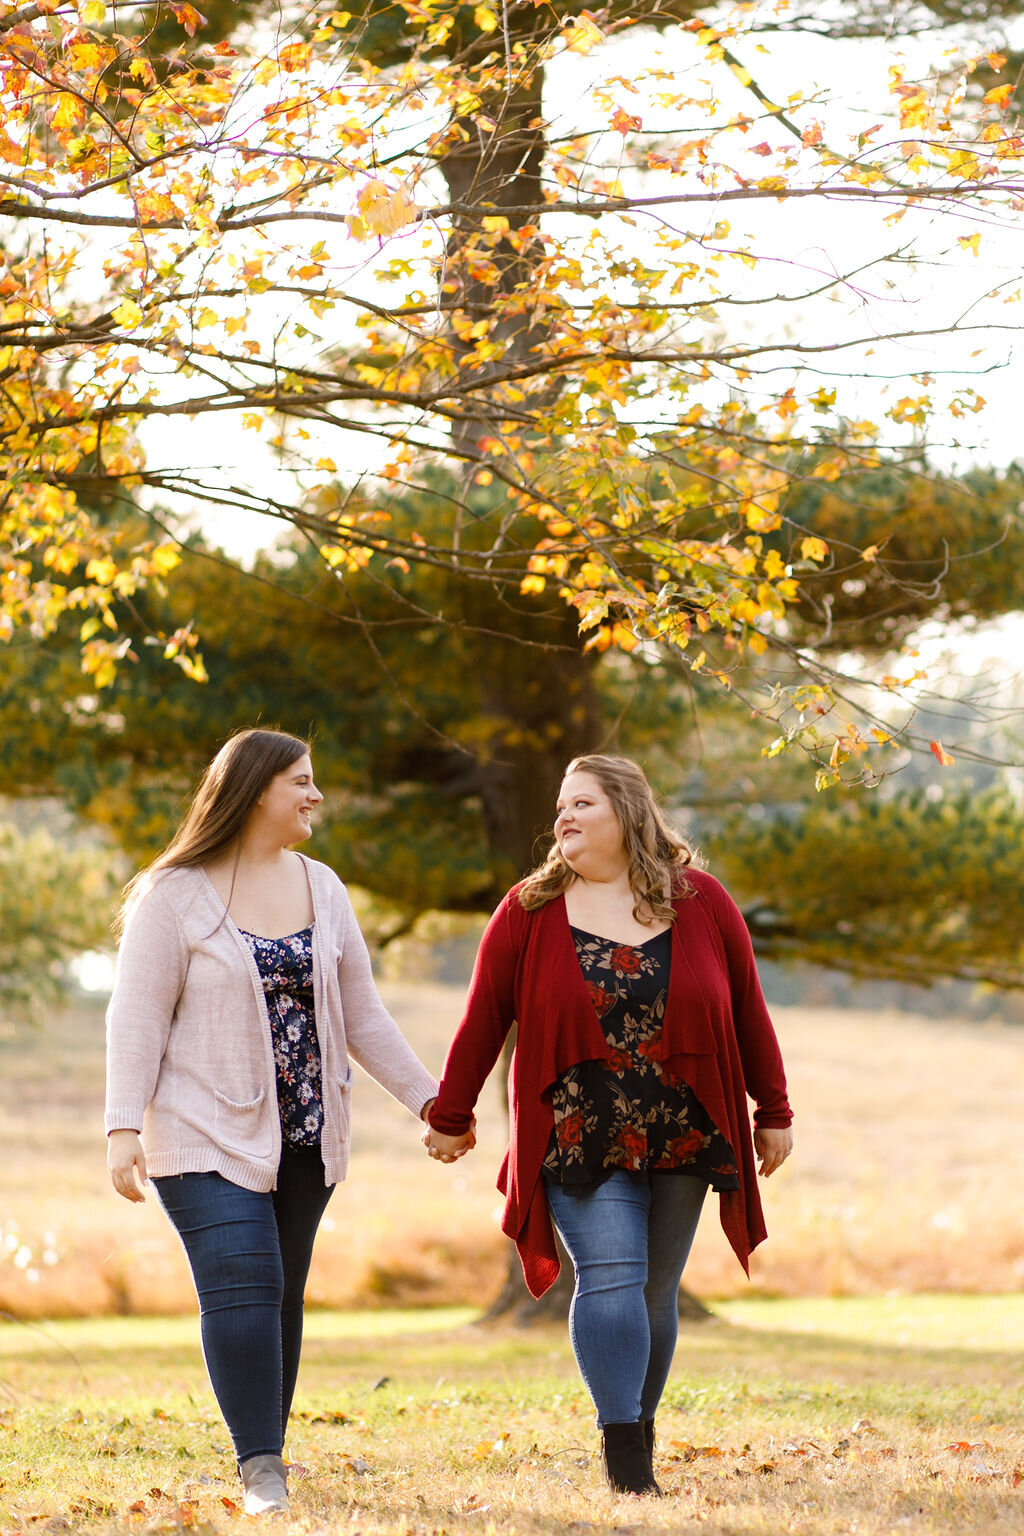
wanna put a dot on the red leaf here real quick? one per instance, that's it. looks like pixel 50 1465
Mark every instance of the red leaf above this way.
pixel 939 751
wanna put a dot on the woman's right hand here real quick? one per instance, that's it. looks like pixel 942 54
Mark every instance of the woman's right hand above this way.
pixel 127 1164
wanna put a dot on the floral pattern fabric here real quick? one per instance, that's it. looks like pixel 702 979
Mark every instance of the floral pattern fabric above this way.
pixel 629 1112
pixel 286 971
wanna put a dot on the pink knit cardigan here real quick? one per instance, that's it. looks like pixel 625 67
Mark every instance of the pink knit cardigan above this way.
pixel 190 1061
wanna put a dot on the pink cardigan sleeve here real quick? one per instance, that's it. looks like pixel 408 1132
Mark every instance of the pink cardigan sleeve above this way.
pixel 489 1015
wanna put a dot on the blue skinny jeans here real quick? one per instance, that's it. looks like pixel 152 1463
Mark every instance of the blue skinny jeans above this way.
pixel 629 1238
pixel 249 1254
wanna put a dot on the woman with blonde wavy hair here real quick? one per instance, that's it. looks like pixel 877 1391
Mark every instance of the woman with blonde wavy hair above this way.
pixel 641 1030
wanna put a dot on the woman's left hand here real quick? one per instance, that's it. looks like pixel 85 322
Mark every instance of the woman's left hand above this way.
pixel 772 1146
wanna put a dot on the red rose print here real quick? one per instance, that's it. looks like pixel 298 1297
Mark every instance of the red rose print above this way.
pixel 601 999
pixel 650 1049
pixel 633 1144
pixel 683 1148
pixel 619 1061
pixel 625 960
pixel 570 1129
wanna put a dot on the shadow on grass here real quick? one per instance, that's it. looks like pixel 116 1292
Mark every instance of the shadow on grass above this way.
pixel 714 1362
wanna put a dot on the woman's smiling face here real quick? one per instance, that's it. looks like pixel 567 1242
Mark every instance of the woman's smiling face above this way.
pixel 587 829
pixel 286 806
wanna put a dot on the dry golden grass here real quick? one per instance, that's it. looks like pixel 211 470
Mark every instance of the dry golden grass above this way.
pixel 907 1177
pixel 813 1419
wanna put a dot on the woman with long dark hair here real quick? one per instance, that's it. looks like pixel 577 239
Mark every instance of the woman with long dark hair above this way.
pixel 243 992
pixel 641 1030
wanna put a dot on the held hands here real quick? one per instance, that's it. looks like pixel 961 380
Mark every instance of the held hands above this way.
pixel 772 1148
pixel 446 1149
pixel 126 1162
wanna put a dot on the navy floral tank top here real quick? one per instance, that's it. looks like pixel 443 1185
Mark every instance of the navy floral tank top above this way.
pixel 286 971
pixel 628 1112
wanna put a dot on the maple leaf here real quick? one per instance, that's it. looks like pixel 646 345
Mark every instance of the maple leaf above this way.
pixel 187 16
pixel 583 33
pixel 624 123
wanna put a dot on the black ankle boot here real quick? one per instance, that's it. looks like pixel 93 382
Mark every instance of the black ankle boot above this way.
pixel 626 1460
pixel 649 1437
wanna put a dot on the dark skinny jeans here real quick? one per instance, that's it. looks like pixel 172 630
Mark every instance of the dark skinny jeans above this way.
pixel 249 1254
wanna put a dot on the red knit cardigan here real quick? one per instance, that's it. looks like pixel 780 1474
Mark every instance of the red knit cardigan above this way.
pixel 717 1037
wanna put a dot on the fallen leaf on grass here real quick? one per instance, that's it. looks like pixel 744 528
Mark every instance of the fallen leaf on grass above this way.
pixel 230 1505
pixel 485 1448
pixel 686 1452
pixel 355 1464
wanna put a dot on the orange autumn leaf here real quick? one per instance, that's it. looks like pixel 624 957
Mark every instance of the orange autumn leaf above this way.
pixel 624 123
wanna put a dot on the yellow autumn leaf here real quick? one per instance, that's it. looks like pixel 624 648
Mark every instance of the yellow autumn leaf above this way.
pixel 70 114
pixel 484 18
pixel 582 34
pixel 813 549
pixel 532 584
pixel 382 210
pixel 101 571
pixel 155 208
pixel 969 242
pixel 92 13
pixel 165 559
pixel 999 95
pixel 79 149
pixel 128 314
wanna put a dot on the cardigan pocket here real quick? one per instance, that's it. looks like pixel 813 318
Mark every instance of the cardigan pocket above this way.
pixel 239 1127
pixel 343 1085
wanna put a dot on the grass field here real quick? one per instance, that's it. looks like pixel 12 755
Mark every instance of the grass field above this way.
pixel 847 1392
pixel 907 1177
pixel 871 1416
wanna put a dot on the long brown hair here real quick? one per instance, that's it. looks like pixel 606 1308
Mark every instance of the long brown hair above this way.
pixel 222 803
pixel 657 855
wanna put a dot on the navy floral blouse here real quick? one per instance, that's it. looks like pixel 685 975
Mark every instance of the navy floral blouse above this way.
pixel 286 970
pixel 629 1112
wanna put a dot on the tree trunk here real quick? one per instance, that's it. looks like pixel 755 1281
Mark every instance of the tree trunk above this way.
pixel 545 714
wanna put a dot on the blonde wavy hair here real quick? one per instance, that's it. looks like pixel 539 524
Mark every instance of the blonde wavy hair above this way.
pixel 657 855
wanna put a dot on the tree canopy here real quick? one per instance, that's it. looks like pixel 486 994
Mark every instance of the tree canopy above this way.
pixel 54 903
pixel 502 242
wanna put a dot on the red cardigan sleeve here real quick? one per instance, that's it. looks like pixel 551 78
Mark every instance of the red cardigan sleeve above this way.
pixel 489 1015
pixel 763 1073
